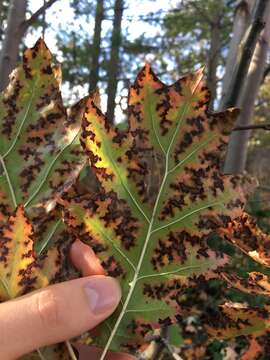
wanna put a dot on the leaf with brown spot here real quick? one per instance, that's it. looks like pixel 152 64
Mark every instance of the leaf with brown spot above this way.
pixel 160 193
pixel 236 319
pixel 20 270
pixel 256 283
pixel 244 233
pixel 39 145
pixel 253 350
pixel 40 157
pixel 40 154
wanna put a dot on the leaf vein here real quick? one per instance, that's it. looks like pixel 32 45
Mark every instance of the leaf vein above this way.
pixel 23 121
pixel 126 188
pixel 186 215
pixel 99 229
pixel 49 168
pixel 11 189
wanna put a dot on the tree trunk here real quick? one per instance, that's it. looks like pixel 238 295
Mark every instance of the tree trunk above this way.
pixel 94 72
pixel 17 26
pixel 241 22
pixel 237 150
pixel 214 53
pixel 11 43
pixel 114 62
pixel 1 18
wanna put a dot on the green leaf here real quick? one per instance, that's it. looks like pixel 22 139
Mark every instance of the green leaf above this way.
pixel 161 192
pixel 174 336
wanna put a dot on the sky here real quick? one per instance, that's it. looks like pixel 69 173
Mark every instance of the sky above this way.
pixel 61 15
pixel 61 12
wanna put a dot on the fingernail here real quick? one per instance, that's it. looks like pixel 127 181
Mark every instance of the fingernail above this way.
pixel 103 294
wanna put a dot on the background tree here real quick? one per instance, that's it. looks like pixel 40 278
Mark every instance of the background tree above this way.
pixel 198 33
pixel 114 61
pixel 242 19
pixel 244 86
pixel 94 67
pixel 17 25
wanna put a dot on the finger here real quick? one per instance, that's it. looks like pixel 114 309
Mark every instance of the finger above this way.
pixel 56 313
pixel 93 353
pixel 85 260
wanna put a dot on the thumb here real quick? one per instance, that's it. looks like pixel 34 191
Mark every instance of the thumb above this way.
pixel 56 313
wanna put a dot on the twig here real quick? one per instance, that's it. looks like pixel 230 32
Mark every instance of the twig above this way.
pixel 246 55
pixel 70 350
pixel 201 11
pixel 40 355
pixel 263 187
pixel 25 25
pixel 265 126
pixel 266 72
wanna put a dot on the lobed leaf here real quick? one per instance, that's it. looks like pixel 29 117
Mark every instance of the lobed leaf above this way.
pixel 161 192
pixel 39 149
pixel 40 157
pixel 158 192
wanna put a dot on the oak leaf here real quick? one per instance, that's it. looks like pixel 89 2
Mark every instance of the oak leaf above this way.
pixel 161 193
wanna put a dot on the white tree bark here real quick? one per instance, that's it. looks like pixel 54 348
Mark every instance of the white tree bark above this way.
pixel 241 22
pixel 9 53
pixel 16 28
pixel 214 54
pixel 237 150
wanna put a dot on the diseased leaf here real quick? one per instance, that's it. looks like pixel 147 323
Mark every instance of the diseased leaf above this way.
pixel 40 157
pixel 256 283
pixel 245 234
pixel 253 351
pixel 238 319
pixel 39 149
pixel 153 194
pixel 161 192
pixel 20 270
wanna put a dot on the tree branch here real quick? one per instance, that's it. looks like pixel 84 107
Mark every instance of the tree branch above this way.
pixel 25 25
pixel 266 72
pixel 265 126
pixel 247 52
pixel 203 13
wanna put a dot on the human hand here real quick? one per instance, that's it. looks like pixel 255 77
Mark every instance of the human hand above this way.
pixel 62 311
